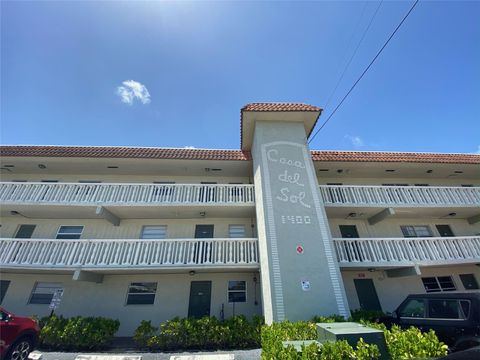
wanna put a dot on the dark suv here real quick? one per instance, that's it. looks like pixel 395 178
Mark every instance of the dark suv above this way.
pixel 455 317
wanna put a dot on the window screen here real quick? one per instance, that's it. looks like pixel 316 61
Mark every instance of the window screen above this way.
pixel 416 231
pixel 69 232
pixel 237 291
pixel 236 231
pixel 437 284
pixel 43 292
pixel 141 293
pixel 154 232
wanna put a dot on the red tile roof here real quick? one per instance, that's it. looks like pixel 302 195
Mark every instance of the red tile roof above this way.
pixel 280 107
pixel 206 154
pixel 410 157
pixel 277 107
pixel 122 152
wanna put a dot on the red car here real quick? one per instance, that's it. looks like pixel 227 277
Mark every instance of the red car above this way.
pixel 18 336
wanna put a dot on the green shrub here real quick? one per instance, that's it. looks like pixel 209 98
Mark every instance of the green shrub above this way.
pixel 412 343
pixel 203 334
pixel 328 319
pixel 144 332
pixel 77 333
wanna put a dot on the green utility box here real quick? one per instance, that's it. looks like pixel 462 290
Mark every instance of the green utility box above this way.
pixel 352 332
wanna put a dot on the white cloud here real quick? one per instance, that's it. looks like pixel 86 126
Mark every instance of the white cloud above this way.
pixel 189 147
pixel 131 90
pixel 356 141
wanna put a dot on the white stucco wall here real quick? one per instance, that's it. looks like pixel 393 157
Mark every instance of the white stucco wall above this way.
pixel 392 291
pixel 108 298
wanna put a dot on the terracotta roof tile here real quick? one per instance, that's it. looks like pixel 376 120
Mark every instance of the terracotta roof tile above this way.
pixel 208 154
pixel 280 107
pixel 367 156
pixel 123 152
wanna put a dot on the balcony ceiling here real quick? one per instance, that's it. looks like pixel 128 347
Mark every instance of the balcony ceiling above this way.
pixel 127 212
pixel 92 166
pixel 346 171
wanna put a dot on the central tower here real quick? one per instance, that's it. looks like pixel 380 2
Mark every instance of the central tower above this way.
pixel 299 271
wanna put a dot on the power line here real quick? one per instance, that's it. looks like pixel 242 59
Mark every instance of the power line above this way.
pixel 354 53
pixel 365 71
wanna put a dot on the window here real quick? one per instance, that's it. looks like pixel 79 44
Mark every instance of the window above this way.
pixel 413 308
pixel 49 181
pixel 236 231
pixel 416 231
pixel 465 305
pixel 154 232
pixel 4 284
pixel 469 282
pixel 69 232
pixel 444 309
pixel 140 293
pixel 25 231
pixel 237 291
pixel 43 292
pixel 437 284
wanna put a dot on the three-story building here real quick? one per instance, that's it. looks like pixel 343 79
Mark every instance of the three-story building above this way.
pixel 272 229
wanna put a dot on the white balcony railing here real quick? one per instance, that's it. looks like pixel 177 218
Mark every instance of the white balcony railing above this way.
pixel 392 251
pixel 360 195
pixel 126 194
pixel 128 254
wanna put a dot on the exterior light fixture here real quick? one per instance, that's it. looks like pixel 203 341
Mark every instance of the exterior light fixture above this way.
pixel 112 167
pixel 42 166
pixel 429 171
pixel 203 213
pixel 192 272
pixel 372 269
pixel 14 212
pixel 452 214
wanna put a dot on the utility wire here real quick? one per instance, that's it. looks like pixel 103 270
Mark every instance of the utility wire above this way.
pixel 365 71
pixel 354 53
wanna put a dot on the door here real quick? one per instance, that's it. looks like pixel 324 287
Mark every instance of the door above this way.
pixel 203 249
pixel 199 305
pixel 203 231
pixel 352 248
pixel 367 295
pixel 444 230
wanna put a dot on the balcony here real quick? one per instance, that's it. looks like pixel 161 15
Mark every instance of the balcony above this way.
pixel 376 203
pixel 398 252
pixel 104 255
pixel 400 196
pixel 76 200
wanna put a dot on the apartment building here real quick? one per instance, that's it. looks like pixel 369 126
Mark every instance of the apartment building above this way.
pixel 273 228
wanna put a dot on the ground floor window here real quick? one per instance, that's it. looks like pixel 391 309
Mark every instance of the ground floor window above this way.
pixel 141 293
pixel 237 291
pixel 439 283
pixel 3 288
pixel 469 282
pixel 42 292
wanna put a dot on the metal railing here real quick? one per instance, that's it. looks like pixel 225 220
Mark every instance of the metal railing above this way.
pixel 408 250
pixel 123 253
pixel 126 194
pixel 362 195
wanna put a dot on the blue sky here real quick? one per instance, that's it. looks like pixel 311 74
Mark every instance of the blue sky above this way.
pixel 62 64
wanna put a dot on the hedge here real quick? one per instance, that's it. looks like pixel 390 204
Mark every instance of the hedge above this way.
pixel 206 333
pixel 76 333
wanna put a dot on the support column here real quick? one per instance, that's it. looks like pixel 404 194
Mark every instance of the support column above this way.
pixel 300 274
